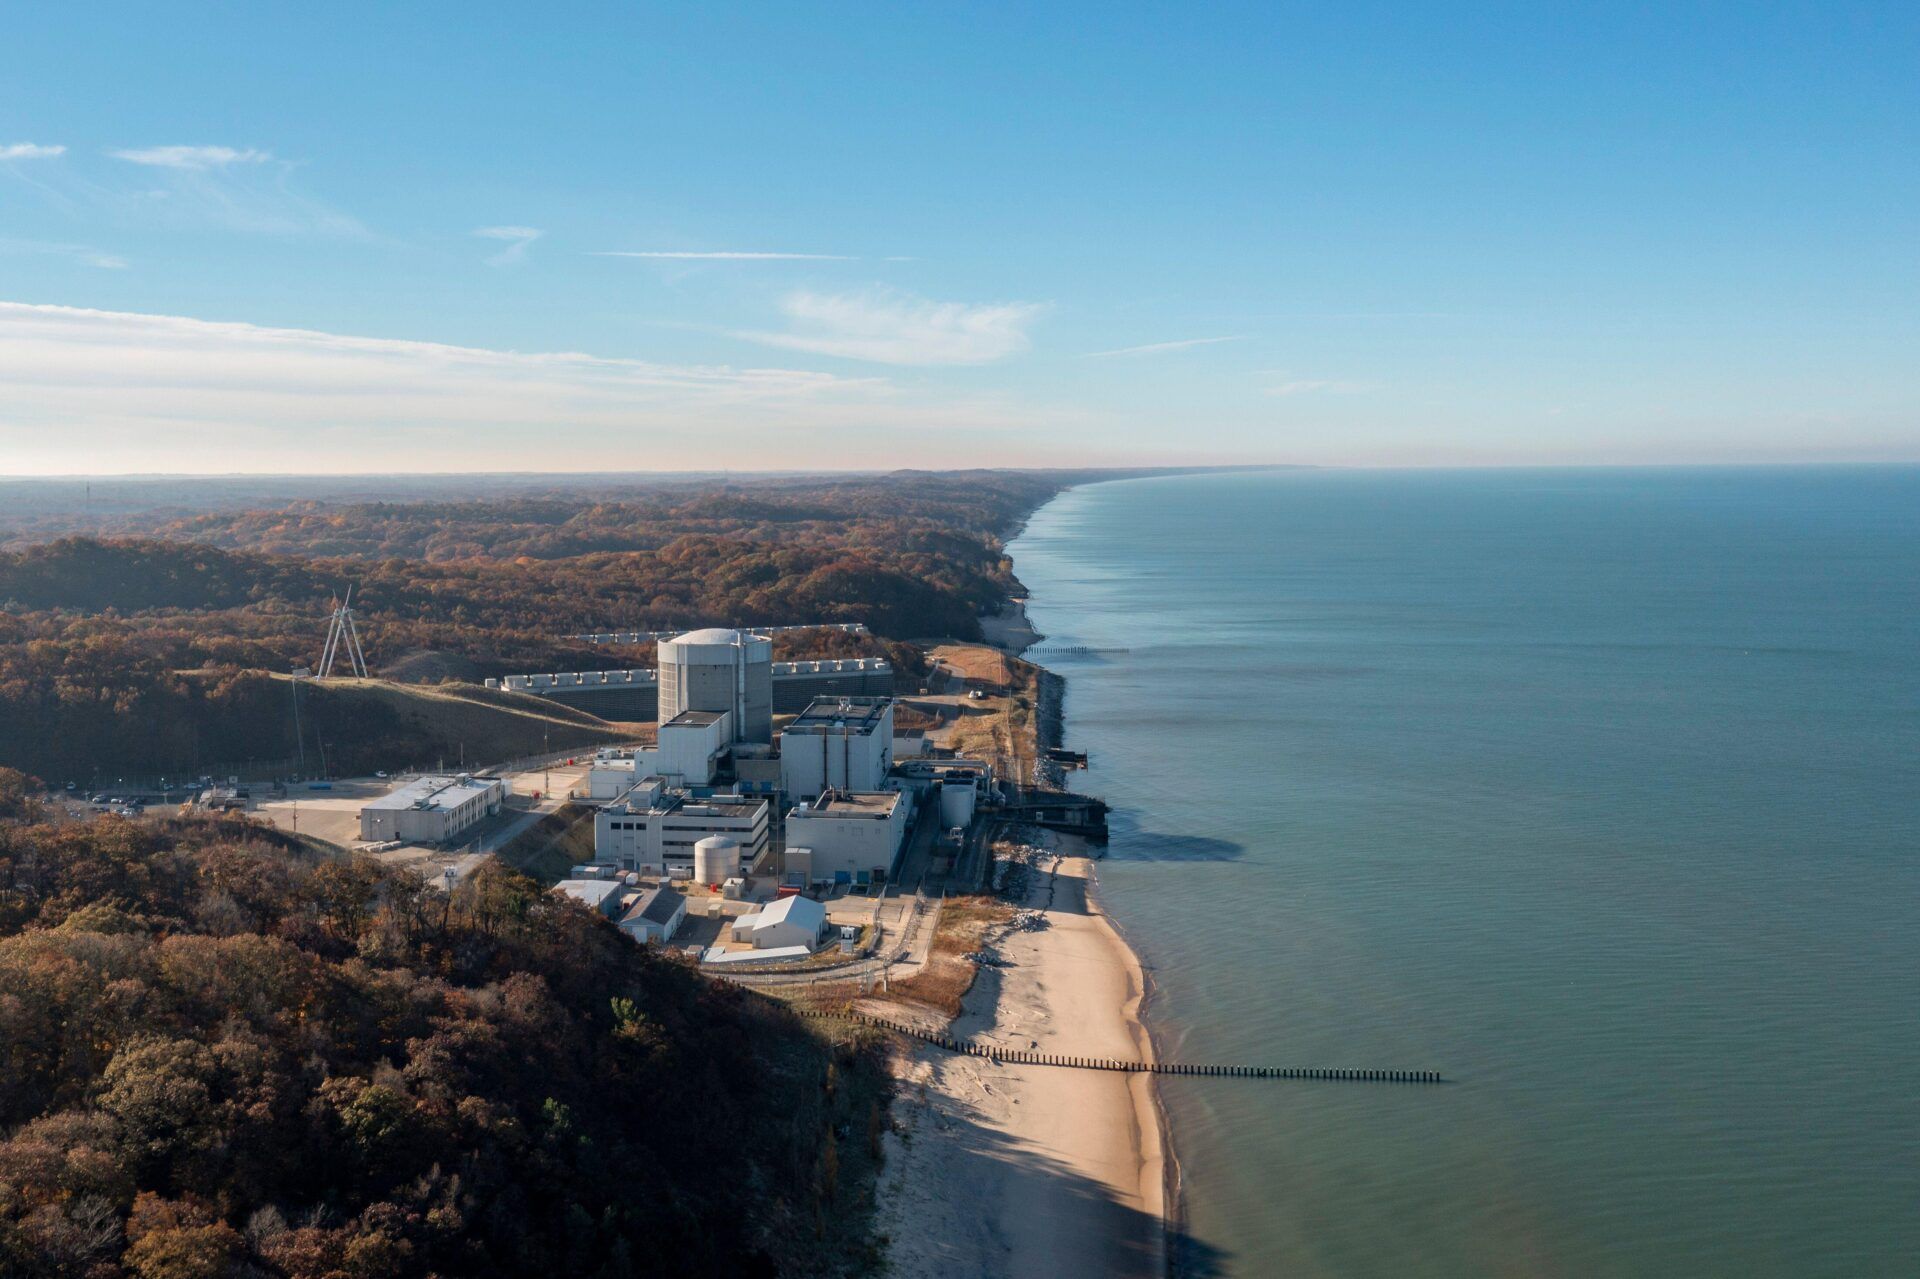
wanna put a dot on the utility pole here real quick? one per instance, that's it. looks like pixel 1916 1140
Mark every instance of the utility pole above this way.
pixel 299 741
pixel 546 779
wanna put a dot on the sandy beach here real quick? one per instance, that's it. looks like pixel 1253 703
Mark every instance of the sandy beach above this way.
pixel 1033 1170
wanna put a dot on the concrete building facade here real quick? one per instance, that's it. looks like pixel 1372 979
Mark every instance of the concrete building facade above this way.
pixel 652 828
pixel 851 835
pixel 842 743
pixel 432 810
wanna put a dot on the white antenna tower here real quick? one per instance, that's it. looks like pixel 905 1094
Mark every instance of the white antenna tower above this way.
pixel 342 635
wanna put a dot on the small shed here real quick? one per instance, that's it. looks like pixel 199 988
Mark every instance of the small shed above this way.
pixel 602 895
pixel 789 921
pixel 654 916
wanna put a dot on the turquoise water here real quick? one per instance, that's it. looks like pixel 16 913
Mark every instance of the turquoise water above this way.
pixel 1597 791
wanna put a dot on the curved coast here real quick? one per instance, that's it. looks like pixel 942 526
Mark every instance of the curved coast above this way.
pixel 1000 1169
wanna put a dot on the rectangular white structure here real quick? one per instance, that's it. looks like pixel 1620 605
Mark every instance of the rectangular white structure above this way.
pixel 851 833
pixel 844 743
pixel 690 746
pixel 432 810
pixel 652 829
pixel 606 778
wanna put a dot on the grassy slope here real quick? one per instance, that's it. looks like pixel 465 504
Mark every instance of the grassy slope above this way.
pixel 549 849
pixel 434 721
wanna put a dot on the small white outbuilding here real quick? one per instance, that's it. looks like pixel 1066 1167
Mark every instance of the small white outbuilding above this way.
pixel 790 921
pixel 654 916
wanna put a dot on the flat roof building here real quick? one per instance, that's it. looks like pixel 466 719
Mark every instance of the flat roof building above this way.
pixel 432 810
pixel 652 828
pixel 843 743
pixel 853 836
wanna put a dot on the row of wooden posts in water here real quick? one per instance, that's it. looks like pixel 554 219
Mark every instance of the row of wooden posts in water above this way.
pixel 1023 1057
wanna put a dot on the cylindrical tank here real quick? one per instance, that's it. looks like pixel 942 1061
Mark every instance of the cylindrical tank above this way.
pixel 716 859
pixel 956 804
pixel 720 670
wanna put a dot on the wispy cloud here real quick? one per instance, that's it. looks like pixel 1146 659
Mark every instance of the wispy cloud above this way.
pixel 82 253
pixel 243 189
pixel 888 327
pixel 1162 348
pixel 29 151
pixel 517 238
pixel 1308 386
pixel 258 398
pixel 723 255
pixel 196 159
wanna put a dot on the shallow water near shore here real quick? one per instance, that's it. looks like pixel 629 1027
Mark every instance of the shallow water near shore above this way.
pixel 1596 791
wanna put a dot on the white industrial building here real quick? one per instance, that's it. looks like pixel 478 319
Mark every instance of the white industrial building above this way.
pixel 839 743
pixel 786 922
pixel 654 916
pixel 598 894
pixel 653 828
pixel 691 746
pixel 609 774
pixel 720 670
pixel 688 752
pixel 432 810
pixel 850 836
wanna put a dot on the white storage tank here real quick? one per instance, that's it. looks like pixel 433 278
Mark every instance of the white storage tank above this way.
pixel 716 859
pixel 956 804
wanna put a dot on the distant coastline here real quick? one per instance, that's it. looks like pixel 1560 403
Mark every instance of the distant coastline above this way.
pixel 1151 1114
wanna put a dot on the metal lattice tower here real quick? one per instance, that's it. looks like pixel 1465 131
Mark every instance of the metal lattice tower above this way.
pixel 342 636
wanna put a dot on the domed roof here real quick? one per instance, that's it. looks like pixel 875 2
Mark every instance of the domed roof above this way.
pixel 711 635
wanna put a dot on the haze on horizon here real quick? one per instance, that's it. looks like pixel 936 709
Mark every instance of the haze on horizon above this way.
pixel 358 240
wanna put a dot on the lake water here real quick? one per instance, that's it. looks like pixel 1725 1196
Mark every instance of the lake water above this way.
pixel 1596 791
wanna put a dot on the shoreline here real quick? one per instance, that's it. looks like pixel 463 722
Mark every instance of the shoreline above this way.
pixel 1152 1121
pixel 1050 724
pixel 997 1168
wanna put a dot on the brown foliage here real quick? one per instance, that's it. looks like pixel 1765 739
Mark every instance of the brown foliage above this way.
pixel 339 1082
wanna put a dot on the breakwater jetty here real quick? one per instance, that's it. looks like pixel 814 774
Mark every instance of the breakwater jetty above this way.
pixel 1022 1057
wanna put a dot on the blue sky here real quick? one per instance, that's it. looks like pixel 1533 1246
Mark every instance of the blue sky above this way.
pixel 380 237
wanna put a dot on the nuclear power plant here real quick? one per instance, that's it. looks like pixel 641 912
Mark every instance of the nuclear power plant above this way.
pixel 720 670
pixel 715 669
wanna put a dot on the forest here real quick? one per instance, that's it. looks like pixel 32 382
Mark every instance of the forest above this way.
pixel 128 645
pixel 227 1055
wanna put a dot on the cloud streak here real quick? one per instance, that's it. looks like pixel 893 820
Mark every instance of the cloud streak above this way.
pixel 721 255
pixel 887 327
pixel 517 238
pixel 1161 348
pixel 29 151
pixel 193 159
pixel 83 253
pixel 134 386
pixel 1308 386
